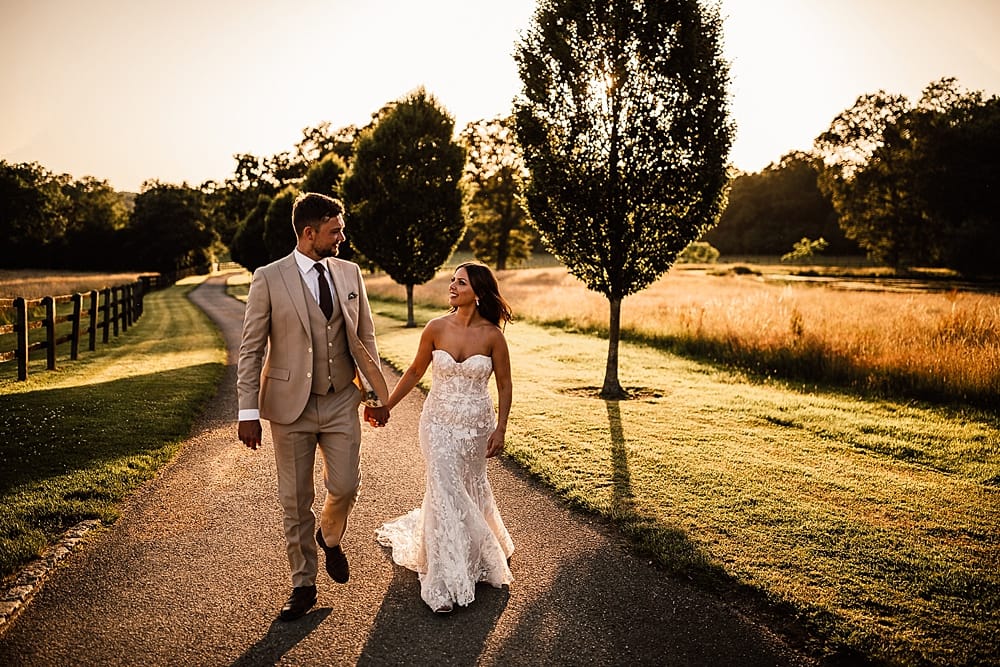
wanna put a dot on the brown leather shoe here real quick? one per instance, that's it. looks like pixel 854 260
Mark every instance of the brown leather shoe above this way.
pixel 298 603
pixel 336 560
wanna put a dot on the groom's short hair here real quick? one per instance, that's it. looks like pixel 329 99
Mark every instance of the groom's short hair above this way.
pixel 311 208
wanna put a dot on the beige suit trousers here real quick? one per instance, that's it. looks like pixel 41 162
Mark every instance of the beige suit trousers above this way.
pixel 330 422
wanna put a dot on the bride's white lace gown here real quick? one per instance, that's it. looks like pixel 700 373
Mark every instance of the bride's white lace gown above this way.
pixel 456 537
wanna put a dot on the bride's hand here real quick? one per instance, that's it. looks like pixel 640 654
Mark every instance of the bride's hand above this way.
pixel 494 444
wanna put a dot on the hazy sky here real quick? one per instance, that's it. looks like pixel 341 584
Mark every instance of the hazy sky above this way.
pixel 126 90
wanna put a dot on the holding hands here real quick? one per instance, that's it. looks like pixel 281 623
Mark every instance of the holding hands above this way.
pixel 378 416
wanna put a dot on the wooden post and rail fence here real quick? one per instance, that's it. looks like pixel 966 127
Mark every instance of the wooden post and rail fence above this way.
pixel 105 312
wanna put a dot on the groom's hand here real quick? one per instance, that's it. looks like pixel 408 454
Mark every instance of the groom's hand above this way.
pixel 377 416
pixel 250 432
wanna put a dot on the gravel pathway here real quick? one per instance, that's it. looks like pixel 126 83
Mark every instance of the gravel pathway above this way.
pixel 195 571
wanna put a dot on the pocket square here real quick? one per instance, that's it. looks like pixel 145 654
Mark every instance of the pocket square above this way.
pixel 352 295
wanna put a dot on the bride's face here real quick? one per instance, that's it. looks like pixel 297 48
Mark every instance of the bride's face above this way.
pixel 460 291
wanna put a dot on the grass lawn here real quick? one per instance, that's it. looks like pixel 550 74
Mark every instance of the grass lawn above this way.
pixel 77 440
pixel 875 522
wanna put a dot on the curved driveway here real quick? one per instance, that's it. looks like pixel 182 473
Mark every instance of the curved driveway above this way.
pixel 194 572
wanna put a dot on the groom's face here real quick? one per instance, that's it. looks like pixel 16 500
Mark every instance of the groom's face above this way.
pixel 328 236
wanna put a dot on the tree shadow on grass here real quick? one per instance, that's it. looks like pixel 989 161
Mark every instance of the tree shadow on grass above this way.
pixel 73 453
pixel 622 497
pixel 52 432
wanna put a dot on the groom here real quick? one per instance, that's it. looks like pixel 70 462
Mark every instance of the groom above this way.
pixel 307 360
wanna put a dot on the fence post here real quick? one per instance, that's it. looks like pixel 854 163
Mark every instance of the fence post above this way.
pixel 140 291
pixel 21 306
pixel 114 310
pixel 50 331
pixel 92 311
pixel 126 307
pixel 106 314
pixel 74 343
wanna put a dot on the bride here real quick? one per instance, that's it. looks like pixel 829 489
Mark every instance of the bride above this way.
pixel 456 537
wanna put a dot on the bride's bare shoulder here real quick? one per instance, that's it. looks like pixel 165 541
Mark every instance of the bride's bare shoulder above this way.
pixel 439 321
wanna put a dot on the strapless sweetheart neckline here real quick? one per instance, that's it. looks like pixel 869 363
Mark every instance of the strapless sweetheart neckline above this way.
pixel 471 356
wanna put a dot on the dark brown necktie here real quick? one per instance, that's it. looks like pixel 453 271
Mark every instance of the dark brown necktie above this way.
pixel 325 298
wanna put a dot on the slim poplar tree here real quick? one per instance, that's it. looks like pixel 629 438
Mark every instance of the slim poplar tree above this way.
pixel 403 197
pixel 624 123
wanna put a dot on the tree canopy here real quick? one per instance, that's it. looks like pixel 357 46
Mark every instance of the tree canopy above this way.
pixel 494 170
pixel 624 122
pixel 169 231
pixel 279 235
pixel 403 195
pixel 916 184
pixel 50 220
pixel 247 246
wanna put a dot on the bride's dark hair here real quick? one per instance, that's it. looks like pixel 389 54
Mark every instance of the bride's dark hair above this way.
pixel 490 304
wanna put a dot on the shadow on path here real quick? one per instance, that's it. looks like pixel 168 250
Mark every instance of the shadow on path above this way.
pixel 406 631
pixel 281 637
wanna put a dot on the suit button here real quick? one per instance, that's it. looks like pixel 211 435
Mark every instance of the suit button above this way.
pixel 309 375
pixel 310 350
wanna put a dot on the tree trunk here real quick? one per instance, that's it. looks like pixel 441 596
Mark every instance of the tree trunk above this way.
pixel 503 244
pixel 410 322
pixel 612 389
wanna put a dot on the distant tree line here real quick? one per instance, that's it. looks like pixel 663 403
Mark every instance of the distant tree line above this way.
pixel 49 220
pixel 769 211
pixel 918 185
pixel 905 184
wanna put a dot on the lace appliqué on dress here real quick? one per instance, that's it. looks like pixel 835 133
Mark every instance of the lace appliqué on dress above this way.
pixel 456 538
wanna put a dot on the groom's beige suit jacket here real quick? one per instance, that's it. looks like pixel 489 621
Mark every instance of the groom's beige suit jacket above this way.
pixel 275 360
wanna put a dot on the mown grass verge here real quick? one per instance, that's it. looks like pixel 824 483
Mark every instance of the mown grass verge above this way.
pixel 876 523
pixel 79 439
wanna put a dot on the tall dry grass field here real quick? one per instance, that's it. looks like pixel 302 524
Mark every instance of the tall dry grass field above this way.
pixel 921 344
pixel 36 283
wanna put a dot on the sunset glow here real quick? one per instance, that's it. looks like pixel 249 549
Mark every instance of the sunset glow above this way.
pixel 129 91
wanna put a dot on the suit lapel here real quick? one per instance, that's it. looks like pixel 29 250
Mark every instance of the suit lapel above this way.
pixel 292 278
pixel 343 290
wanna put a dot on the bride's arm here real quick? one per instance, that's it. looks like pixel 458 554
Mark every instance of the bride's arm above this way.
pixel 417 368
pixel 501 373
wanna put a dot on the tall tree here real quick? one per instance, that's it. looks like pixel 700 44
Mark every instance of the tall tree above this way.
pixel 403 195
pixel 169 230
pixel 248 246
pixel 494 170
pixel 279 236
pixel 958 154
pixel 95 215
pixel 32 214
pixel 915 184
pixel 625 128
pixel 865 191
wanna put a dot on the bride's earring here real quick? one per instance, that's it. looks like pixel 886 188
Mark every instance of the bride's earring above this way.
pixel 477 302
